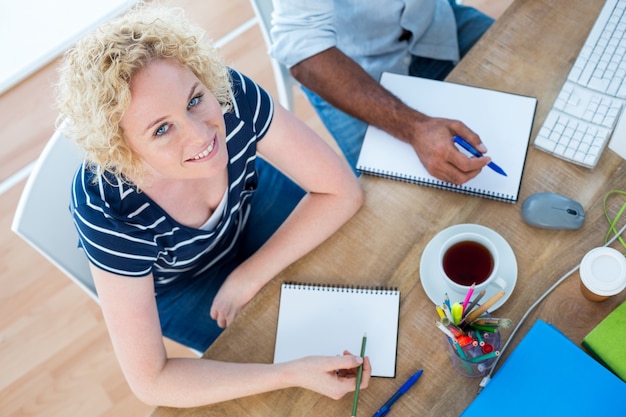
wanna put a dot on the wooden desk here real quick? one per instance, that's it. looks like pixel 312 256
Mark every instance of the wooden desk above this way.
pixel 529 51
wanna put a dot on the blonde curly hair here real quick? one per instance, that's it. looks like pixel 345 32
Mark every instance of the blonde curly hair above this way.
pixel 93 90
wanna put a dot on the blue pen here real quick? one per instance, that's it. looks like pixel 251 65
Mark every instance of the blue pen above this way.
pixel 465 145
pixel 404 388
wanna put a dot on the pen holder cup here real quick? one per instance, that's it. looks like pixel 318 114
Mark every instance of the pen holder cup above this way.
pixel 475 358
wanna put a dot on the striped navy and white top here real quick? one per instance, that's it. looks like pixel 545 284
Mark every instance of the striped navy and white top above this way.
pixel 124 232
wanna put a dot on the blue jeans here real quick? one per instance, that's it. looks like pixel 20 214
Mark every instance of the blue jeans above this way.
pixel 349 131
pixel 185 312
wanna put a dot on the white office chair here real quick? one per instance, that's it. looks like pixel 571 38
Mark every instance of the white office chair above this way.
pixel 284 81
pixel 43 218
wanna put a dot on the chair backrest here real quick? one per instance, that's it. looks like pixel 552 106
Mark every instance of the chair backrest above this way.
pixel 43 218
pixel 284 81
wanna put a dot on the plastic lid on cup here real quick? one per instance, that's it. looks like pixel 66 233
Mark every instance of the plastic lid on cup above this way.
pixel 603 271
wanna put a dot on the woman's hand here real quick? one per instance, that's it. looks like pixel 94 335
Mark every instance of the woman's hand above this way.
pixel 232 296
pixel 332 376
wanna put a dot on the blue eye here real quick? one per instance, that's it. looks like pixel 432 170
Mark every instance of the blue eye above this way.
pixel 194 101
pixel 161 130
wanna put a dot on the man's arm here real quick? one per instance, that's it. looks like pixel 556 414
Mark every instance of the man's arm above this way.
pixel 343 83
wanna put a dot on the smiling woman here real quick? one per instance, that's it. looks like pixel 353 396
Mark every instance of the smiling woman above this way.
pixel 57 359
pixel 177 130
pixel 180 218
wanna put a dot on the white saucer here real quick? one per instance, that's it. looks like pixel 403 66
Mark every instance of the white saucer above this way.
pixel 434 285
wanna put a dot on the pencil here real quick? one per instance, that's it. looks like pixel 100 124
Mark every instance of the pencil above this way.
pixel 473 303
pixel 467 297
pixel 484 307
pixel 359 375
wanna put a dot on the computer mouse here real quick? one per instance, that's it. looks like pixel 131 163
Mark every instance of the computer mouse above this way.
pixel 552 211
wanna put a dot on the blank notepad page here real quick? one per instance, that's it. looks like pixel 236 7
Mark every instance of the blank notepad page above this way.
pixel 326 320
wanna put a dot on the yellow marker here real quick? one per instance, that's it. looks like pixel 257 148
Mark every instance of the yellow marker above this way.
pixel 457 312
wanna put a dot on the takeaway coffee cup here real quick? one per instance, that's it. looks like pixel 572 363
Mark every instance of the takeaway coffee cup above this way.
pixel 602 273
pixel 470 258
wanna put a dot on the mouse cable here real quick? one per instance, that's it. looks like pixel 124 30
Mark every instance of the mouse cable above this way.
pixel 608 241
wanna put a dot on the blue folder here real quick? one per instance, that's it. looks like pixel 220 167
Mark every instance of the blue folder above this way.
pixel 548 375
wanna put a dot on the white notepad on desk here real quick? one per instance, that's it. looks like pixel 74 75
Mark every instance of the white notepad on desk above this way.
pixel 326 320
pixel 502 120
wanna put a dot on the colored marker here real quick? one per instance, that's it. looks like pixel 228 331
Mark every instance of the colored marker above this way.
pixel 457 312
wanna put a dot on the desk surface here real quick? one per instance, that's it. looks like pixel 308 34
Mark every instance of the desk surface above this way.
pixel 529 51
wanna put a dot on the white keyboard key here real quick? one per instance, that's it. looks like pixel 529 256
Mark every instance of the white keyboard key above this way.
pixel 599 84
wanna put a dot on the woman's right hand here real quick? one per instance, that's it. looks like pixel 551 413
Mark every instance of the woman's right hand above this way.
pixel 332 376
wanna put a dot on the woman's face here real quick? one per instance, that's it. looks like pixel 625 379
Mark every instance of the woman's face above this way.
pixel 175 124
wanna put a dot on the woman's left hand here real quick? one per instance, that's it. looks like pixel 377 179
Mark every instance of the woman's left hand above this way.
pixel 232 296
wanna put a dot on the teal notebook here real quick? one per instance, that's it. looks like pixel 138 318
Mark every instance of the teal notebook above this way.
pixel 548 375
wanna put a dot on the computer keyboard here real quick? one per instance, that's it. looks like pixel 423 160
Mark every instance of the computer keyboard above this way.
pixel 586 110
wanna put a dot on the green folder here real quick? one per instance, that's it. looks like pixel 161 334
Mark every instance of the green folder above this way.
pixel 607 342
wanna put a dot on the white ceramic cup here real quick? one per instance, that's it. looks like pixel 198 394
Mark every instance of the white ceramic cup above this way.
pixel 470 258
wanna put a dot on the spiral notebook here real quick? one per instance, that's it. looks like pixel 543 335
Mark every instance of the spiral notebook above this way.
pixel 502 120
pixel 326 320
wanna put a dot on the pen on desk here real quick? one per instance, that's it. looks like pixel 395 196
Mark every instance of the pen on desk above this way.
pixel 404 388
pixel 359 375
pixel 466 145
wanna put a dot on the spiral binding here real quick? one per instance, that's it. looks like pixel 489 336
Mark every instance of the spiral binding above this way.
pixel 360 289
pixel 442 185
